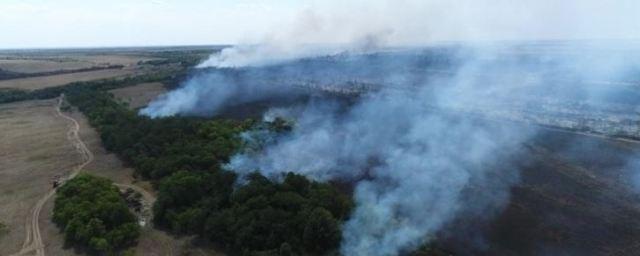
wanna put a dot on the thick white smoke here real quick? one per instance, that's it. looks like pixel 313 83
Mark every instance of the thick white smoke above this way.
pixel 415 146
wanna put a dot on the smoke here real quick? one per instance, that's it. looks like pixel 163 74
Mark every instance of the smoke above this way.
pixel 331 26
pixel 411 165
pixel 427 135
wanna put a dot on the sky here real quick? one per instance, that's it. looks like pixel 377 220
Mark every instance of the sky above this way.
pixel 85 23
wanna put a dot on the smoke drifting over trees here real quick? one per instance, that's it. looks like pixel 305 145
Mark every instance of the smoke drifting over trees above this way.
pixel 428 137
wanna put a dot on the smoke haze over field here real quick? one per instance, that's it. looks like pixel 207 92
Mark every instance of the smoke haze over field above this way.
pixel 417 142
pixel 328 27
pixel 417 164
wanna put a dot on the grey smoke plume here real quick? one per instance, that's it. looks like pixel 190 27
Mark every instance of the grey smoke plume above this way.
pixel 430 136
pixel 417 163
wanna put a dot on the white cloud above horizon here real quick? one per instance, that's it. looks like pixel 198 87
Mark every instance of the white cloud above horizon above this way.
pixel 75 23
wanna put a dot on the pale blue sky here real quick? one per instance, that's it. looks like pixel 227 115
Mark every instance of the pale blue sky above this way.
pixel 85 23
pixel 36 23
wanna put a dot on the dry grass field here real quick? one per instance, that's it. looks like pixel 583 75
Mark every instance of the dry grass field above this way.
pixel 33 148
pixel 30 66
pixel 70 62
pixel 139 95
pixel 34 83
pixel 47 63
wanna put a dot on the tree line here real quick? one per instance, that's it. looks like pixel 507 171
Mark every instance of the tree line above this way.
pixel 183 156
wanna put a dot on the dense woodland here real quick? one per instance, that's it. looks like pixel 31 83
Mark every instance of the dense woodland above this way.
pixel 93 215
pixel 183 155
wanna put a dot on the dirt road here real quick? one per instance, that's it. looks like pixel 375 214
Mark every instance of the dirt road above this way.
pixel 33 239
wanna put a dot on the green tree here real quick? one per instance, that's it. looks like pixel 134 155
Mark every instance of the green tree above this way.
pixel 322 231
pixel 92 213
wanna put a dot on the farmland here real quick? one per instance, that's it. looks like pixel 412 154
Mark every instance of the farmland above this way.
pixel 36 149
pixel 34 83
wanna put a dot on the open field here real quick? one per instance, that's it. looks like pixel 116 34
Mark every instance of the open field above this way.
pixel 30 66
pixel 33 148
pixel 34 83
pixel 46 62
pixel 125 60
pixel 139 95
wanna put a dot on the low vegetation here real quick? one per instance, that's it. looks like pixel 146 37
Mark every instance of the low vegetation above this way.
pixel 92 214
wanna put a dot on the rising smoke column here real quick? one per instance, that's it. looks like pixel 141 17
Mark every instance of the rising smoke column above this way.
pixel 416 158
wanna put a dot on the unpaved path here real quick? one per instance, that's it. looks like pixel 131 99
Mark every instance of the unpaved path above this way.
pixel 33 239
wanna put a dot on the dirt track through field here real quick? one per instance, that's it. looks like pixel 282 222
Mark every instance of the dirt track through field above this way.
pixel 33 239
